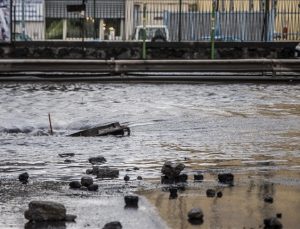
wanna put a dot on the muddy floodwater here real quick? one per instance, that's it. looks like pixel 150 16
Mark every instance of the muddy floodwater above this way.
pixel 249 130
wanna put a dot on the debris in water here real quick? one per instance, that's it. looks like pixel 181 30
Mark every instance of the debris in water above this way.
pixel 110 129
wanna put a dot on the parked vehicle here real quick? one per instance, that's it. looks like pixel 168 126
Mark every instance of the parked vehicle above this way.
pixel 20 37
pixel 154 33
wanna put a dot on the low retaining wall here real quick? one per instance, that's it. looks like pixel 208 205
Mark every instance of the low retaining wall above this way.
pixel 133 50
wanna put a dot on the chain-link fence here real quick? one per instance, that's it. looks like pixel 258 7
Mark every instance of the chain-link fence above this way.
pixel 159 20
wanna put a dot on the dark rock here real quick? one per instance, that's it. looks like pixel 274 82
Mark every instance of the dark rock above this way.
pixel 128 170
pixel 272 223
pixel 126 178
pixel 136 168
pixel 105 172
pixel 75 184
pixel 279 215
pixel 219 194
pixel 171 173
pixel 93 187
pixel 46 225
pixel 172 170
pixel 23 178
pixel 210 193
pixel 89 171
pixel 66 154
pixel 97 160
pixel 226 178
pixel 182 178
pixel 113 225
pixel 167 180
pixel 131 201
pixel 195 214
pixel 268 199
pixel 45 211
pixel 173 193
pixel 198 177
pixel 68 161
pixel 86 181
pixel 139 178
pixel 70 218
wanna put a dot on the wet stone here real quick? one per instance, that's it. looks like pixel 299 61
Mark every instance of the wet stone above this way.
pixel 172 170
pixel 279 215
pixel 46 225
pixel 97 160
pixel 219 194
pixel 182 178
pixel 23 178
pixel 126 178
pixel 105 172
pixel 195 214
pixel 210 193
pixel 131 201
pixel 75 185
pixel 89 171
pixel 139 178
pixel 45 211
pixel 68 161
pixel 136 168
pixel 70 218
pixel 86 181
pixel 173 193
pixel 66 154
pixel 93 187
pixel 268 199
pixel 113 225
pixel 226 178
pixel 272 223
pixel 198 177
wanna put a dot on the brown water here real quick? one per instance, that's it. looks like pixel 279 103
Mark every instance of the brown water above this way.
pixel 246 129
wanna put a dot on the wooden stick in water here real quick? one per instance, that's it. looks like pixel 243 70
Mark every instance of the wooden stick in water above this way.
pixel 51 130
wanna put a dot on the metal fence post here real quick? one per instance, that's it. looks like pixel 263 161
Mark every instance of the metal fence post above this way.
pixel 144 49
pixel 179 20
pixel 23 19
pixel 212 33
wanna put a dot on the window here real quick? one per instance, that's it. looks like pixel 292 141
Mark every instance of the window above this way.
pixel 54 28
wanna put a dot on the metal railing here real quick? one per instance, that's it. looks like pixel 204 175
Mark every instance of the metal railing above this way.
pixel 169 20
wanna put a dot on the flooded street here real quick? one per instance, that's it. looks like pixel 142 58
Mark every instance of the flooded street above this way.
pixel 250 130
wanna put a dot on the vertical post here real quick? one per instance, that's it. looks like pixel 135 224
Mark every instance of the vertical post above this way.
pixel 212 32
pixel 95 25
pixel 23 19
pixel 267 13
pixel 179 21
pixel 50 124
pixel 12 27
pixel 144 33
pixel 83 23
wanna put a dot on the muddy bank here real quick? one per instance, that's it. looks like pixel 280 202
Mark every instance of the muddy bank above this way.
pixel 240 206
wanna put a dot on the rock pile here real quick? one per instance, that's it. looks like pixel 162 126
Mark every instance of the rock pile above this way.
pixel 172 172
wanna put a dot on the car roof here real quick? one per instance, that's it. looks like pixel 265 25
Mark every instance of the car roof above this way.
pixel 151 26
